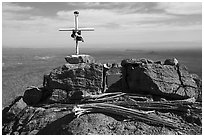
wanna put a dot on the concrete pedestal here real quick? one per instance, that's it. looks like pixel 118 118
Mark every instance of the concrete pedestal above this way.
pixel 75 59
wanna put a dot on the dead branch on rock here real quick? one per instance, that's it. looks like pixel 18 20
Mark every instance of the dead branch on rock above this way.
pixel 143 102
pixel 176 105
pixel 123 111
pixel 101 95
pixel 137 107
pixel 110 96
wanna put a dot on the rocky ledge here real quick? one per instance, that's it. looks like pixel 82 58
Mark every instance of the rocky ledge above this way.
pixel 138 96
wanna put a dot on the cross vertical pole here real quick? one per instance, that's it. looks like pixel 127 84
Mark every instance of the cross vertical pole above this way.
pixel 76 14
pixel 76 21
pixel 77 48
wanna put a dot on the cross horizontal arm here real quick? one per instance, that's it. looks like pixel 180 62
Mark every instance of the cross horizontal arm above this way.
pixel 86 29
pixel 79 29
pixel 68 29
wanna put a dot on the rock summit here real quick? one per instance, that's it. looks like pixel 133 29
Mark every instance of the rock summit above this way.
pixel 137 96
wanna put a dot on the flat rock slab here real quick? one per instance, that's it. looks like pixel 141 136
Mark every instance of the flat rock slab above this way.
pixel 75 59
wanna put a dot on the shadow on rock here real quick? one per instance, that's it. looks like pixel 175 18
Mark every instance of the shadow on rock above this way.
pixel 56 127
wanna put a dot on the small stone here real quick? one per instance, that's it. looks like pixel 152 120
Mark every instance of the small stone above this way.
pixel 158 62
pixel 172 61
pixel 16 133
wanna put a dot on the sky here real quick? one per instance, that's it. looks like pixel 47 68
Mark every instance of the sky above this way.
pixel 117 24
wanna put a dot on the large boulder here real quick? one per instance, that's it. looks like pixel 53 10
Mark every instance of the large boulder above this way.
pixel 170 81
pixel 69 78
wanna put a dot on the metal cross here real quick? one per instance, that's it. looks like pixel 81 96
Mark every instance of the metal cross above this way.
pixel 76 31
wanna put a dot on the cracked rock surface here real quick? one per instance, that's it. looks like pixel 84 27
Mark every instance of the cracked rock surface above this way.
pixel 171 81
